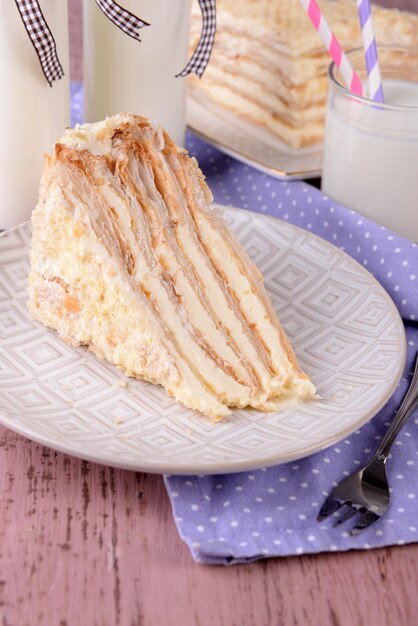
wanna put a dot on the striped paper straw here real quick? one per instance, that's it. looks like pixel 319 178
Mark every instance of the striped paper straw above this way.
pixel 370 50
pixel 333 46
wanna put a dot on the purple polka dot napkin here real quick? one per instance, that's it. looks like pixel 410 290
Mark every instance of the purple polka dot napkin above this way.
pixel 240 517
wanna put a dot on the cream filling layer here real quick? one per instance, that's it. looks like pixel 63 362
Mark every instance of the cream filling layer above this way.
pixel 273 82
pixel 246 282
pixel 150 278
pixel 229 316
pixel 118 322
pixel 182 273
pixel 295 137
pixel 264 95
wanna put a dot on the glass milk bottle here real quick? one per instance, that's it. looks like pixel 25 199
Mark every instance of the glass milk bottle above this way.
pixel 33 114
pixel 124 75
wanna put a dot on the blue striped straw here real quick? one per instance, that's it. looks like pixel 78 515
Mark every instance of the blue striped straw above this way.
pixel 370 50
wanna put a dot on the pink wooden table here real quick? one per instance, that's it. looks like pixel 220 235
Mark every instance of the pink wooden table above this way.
pixel 85 545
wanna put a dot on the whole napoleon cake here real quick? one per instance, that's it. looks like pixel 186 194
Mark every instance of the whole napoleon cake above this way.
pixel 129 259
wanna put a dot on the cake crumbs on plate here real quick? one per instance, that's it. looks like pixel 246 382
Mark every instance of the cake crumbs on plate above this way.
pixel 67 386
pixel 70 402
pixel 118 421
pixel 124 437
pixel 122 383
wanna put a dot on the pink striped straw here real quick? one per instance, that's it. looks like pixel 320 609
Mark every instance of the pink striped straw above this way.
pixel 333 46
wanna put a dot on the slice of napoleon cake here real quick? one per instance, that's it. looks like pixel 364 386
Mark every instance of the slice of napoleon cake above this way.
pixel 129 259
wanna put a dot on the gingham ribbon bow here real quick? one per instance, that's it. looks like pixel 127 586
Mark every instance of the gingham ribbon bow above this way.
pixel 123 19
pixel 201 55
pixel 41 38
pixel 130 24
pixel 44 42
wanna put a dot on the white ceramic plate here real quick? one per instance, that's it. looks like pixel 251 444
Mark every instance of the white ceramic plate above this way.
pixel 344 327
pixel 248 142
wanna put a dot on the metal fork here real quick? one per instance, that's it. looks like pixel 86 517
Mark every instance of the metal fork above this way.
pixel 366 492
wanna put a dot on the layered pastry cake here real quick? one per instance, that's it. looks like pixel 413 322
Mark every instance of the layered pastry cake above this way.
pixel 269 66
pixel 129 259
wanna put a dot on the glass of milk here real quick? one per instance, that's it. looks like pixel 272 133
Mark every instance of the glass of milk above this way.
pixel 33 115
pixel 124 75
pixel 370 149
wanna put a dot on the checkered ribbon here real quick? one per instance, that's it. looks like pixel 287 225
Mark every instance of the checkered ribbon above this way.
pixel 123 19
pixel 201 55
pixel 44 42
pixel 131 24
pixel 41 38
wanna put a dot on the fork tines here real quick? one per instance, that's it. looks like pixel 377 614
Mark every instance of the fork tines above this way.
pixel 332 505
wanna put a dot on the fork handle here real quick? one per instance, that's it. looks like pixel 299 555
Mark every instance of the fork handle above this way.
pixel 408 406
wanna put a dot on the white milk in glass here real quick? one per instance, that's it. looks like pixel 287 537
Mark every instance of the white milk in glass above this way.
pixel 124 75
pixel 33 115
pixel 371 155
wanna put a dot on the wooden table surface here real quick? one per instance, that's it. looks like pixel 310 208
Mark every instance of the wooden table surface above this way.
pixel 86 545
